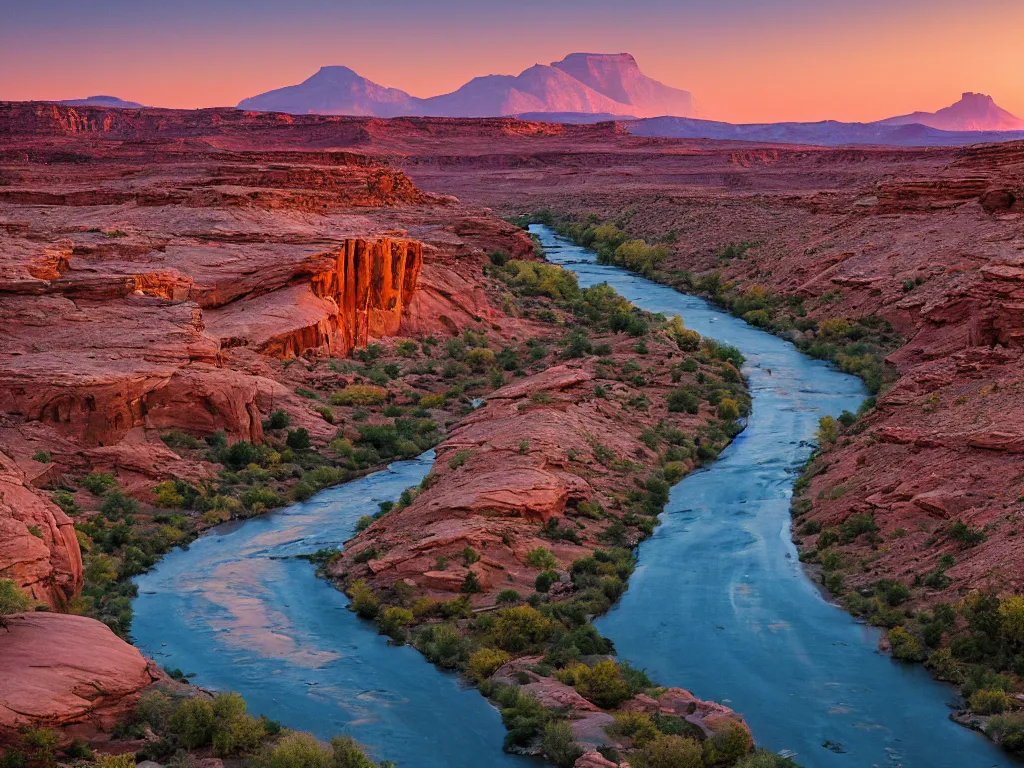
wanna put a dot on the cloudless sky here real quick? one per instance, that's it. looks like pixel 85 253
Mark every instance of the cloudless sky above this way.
pixel 744 60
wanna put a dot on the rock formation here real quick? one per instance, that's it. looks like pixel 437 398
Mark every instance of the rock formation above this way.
pixel 68 673
pixel 582 83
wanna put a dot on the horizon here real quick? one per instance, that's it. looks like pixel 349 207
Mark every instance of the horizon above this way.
pixel 813 61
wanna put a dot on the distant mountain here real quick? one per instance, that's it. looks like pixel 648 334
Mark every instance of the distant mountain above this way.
pixel 974 112
pixel 828 133
pixel 334 91
pixel 102 101
pixel 582 83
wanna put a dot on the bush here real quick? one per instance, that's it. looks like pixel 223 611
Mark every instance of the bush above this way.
pixel 544 580
pixel 1007 731
pixel 727 745
pixel 442 645
pixel 603 684
pixel 116 505
pixel 541 557
pixel 523 717
pixel 395 620
pixel 279 420
pixel 508 596
pixel 670 752
pixel 636 726
pixel 485 662
pixel 359 394
pixel 762 758
pixel 498 258
pixel 989 702
pixel 559 745
pixel 364 602
pixel 192 722
pixel 12 600
pixel 298 439
pixel 98 483
pixel 683 399
pixel 126 760
pixel 234 730
pixel 297 750
pixel 519 628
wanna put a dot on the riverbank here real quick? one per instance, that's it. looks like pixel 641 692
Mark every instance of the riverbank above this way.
pixel 847 546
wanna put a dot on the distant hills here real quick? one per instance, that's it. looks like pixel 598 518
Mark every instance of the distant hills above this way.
pixel 828 133
pixel 974 112
pixel 598 87
pixel 581 83
pixel 101 101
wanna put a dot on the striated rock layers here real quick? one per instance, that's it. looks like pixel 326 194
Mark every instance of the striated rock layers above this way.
pixel 149 280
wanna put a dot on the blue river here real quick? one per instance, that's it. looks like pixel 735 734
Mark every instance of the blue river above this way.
pixel 718 605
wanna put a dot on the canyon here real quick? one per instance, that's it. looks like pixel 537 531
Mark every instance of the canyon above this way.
pixel 159 268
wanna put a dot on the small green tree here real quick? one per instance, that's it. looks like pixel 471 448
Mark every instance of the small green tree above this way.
pixel 12 600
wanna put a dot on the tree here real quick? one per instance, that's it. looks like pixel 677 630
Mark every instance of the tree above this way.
pixel 12 600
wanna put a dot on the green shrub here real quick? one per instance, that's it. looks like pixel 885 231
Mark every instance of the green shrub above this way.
pixel 1007 731
pixel 636 726
pixel 279 420
pixel 192 722
pixel 520 628
pixel 485 662
pixel 297 750
pixel 670 752
pixel 364 602
pixel 559 745
pixel 541 557
pixel 359 394
pixel 544 580
pixel 683 399
pixel 98 483
pixel 989 702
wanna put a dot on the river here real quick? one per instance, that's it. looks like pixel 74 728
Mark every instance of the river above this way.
pixel 718 604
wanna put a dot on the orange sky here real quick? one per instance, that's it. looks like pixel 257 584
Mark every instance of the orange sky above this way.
pixel 744 60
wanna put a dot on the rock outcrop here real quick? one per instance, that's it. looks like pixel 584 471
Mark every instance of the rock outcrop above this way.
pixel 68 673
pixel 38 547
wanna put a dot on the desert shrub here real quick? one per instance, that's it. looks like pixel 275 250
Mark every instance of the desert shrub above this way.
pixel 485 662
pixel 602 684
pixel 192 722
pixel 683 399
pixel 727 745
pixel 364 602
pixel 507 596
pixel 1007 731
pixel 126 760
pixel 728 409
pixel 989 702
pixel 964 534
pixel 116 505
pixel 524 717
pixel 541 557
pixel 669 752
pixel 442 645
pixel 359 394
pixel 395 620
pixel 559 745
pixel 521 627
pixel 98 483
pixel 471 584
pixel 480 359
pixel 296 750
pixel 459 458
pixel 234 730
pixel 279 420
pixel 637 726
pixel 12 600
pixel 298 439
pixel 544 580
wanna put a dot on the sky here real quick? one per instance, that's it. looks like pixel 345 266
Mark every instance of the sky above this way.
pixel 743 60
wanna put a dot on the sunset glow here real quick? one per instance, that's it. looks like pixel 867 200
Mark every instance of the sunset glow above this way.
pixel 744 60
